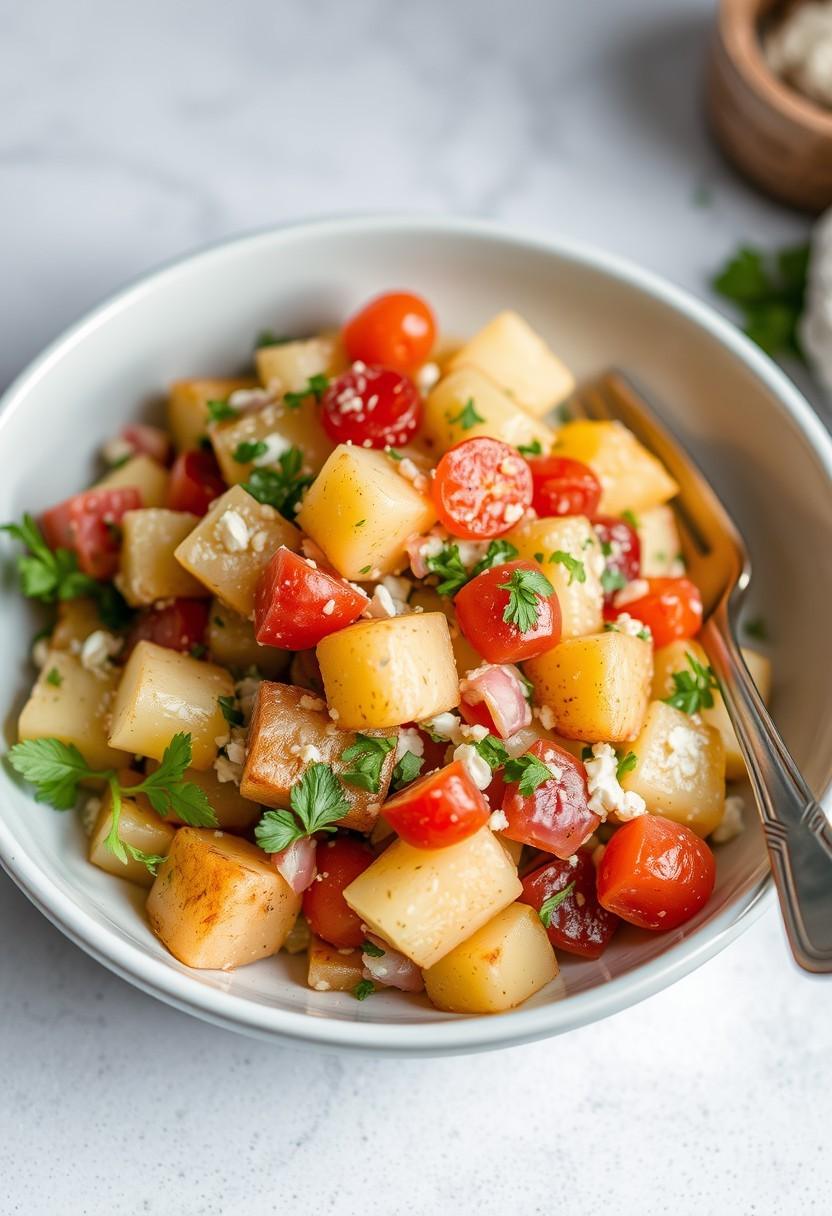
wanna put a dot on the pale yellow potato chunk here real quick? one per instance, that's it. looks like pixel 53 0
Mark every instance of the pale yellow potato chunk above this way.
pixel 361 511
pixel 386 672
pixel 163 692
pixel 631 477
pixel 331 969
pixel 426 901
pixel 143 474
pixel 661 546
pixel 597 687
pixel 298 428
pixel 227 567
pixel 581 603
pixel 501 418
pixel 233 812
pixel 680 772
pixel 188 416
pixel 429 600
pixel 287 368
pixel 498 967
pixel 231 642
pixel 149 569
pixel 75 710
pixel 139 826
pixel 514 356
pixel 217 902
pixel 77 619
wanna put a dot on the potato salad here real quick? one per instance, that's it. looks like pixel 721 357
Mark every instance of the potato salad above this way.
pixel 383 656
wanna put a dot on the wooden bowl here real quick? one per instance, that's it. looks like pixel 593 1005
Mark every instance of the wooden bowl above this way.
pixel 777 137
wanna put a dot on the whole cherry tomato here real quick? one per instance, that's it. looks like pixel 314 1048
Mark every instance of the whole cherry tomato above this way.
pixel 671 608
pixel 178 626
pixel 438 810
pixel 509 613
pixel 195 481
pixel 555 815
pixel 563 486
pixel 482 488
pixel 338 862
pixel 296 604
pixel 397 329
pixel 372 407
pixel 578 924
pixel 88 525
pixel 621 548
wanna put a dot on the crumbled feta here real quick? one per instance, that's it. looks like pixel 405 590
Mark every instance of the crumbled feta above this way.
pixel 573 860
pixel 478 770
pixel 229 764
pixel 276 446
pixel 605 792
pixel 328 608
pixel 116 450
pixel 381 604
pixel 399 588
pixel 624 623
pixel 633 591
pixel 513 511
pixel 731 824
pixel 40 652
pixel 97 651
pixel 498 821
pixel 409 740
pixel 684 752
pixel 546 716
pixel 475 733
pixel 412 473
pixel 427 376
pixel 243 399
pixel 444 726
pixel 232 530
pixel 798 49
pixel 89 814
pixel 310 702
pixel 259 541
pixel 308 753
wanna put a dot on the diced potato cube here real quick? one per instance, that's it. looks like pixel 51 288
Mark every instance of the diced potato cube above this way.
pixel 231 642
pixel 501 418
pixel 680 771
pixel 139 826
pixel 72 704
pixel 581 603
pixel 661 547
pixel 500 966
pixel 361 511
pixel 631 477
pixel 429 600
pixel 163 692
pixel 234 813
pixel 276 425
pixel 217 902
pixel 149 569
pixel 426 901
pixel 188 415
pixel 288 367
pixel 597 687
pixel 383 673
pixel 509 351
pixel 228 569
pixel 145 475
pixel 77 619
pixel 331 969
pixel 289 721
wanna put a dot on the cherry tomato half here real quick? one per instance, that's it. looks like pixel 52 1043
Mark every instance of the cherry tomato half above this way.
pixel 482 606
pixel 621 548
pixel 178 626
pixel 195 481
pixel 655 873
pixel 296 604
pixel 671 609
pixel 438 810
pixel 372 407
pixel 88 524
pixel 481 489
pixel 579 924
pixel 338 862
pixel 563 486
pixel 397 329
pixel 556 815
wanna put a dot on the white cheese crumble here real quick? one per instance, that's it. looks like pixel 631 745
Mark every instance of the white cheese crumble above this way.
pixel 546 716
pixel 444 726
pixel 249 398
pixel 116 450
pixel 97 651
pixel 427 376
pixel 409 740
pixel 475 733
pixel 310 702
pixel 624 623
pixel 276 446
pixel 412 473
pixel 513 511
pixel 605 792
pixel 799 49
pixel 307 753
pixel 259 541
pixel 684 751
pixel 328 608
pixel 232 531
pixel 731 824
pixel 633 591
pixel 399 588
pixel 381 604
pixel 478 770
pixel 498 821
pixel 229 764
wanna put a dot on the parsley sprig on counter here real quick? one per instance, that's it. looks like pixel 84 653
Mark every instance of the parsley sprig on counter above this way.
pixel 769 290
pixel 526 589
pixel 317 803
pixel 693 689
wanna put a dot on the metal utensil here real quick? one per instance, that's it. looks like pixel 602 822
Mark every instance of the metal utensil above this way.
pixel 798 833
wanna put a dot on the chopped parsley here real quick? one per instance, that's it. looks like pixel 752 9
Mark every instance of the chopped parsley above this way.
pixel 629 518
pixel 282 487
pixel 366 760
pixel 316 386
pixel 220 411
pixel 365 570
pixel 448 564
pixel 612 580
pixel 526 589
pixel 528 771
pixel 374 951
pixel 575 568
pixel 317 802
pixel 198 650
pixel 626 765
pixel 498 551
pixel 393 454
pixel 467 416
pixel 267 338
pixel 363 989
pixel 563 413
pixel 756 628
pixel 535 448
pixel 587 753
pixel 230 711
pixel 492 750
pixel 407 769
pixel 219 622
pixel 551 904
pixel 611 627
pixel 54 677
pixel 769 292
pixel 250 449
pixel 693 690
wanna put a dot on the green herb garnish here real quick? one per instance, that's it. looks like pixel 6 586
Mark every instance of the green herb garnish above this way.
pixel 316 386
pixel 528 771
pixel 282 487
pixel 575 568
pixel 535 448
pixel 220 411
pixel 374 951
pixel 54 677
pixel 626 765
pixel 467 416
pixel 250 449
pixel 612 580
pixel 693 690
pixel 769 291
pixel 492 750
pixel 366 759
pixel 230 711
pixel 363 989
pixel 551 904
pixel 317 803
pixel 526 589
pixel 407 769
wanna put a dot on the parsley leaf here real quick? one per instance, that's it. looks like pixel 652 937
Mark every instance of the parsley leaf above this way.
pixel 316 386
pixel 630 518
pixel 407 769
pixel 756 628
pixel 167 792
pixel 53 768
pixel 230 711
pixel 249 449
pixel 368 753
pixel 612 580
pixel 267 338
pixel 693 689
pixel 769 291
pixel 220 411
pixel 45 574
pixel 563 413
pixel 525 591
pixel 575 568
pixel 374 951
pixel 317 802
pixel 528 771
pixel 54 677
pixel 280 488
pixel 467 416
pixel 492 750
pixel 552 903
pixel 363 989
pixel 151 860
pixel 451 569
pixel 626 765
pixel 535 448
pixel 497 552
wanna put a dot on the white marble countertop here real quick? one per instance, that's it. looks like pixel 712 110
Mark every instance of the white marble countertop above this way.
pixel 132 133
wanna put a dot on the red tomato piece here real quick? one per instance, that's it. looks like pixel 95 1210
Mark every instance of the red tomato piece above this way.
pixel 178 626
pixel 563 486
pixel 397 329
pixel 496 791
pixel 296 604
pixel 148 441
pixel 555 817
pixel 372 407
pixel 579 925
pixel 671 609
pixel 481 489
pixel 655 873
pixel 88 524
pixel 621 548
pixel 338 862
pixel 195 481
pixel 438 810
pixel 480 612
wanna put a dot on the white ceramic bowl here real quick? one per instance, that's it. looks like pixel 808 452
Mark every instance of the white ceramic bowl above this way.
pixel 756 437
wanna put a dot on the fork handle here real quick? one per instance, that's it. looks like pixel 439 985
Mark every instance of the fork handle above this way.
pixel 798 833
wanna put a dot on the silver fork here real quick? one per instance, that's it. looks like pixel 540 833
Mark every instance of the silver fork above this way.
pixel 797 831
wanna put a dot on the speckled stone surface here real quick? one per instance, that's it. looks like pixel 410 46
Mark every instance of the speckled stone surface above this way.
pixel 130 134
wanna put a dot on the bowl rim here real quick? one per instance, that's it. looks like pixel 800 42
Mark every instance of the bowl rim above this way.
pixel 458 1034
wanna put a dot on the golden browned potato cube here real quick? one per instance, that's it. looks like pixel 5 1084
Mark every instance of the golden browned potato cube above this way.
pixel 632 478
pixel 143 474
pixel 231 642
pixel 290 729
pixel 217 902
pixel 77 619
pixel 138 826
pixel 232 545
pixel 509 351
pixel 361 511
pixel 680 770
pixel 449 418
pixel 149 569
pixel 331 969
pixel 280 428
pixel 72 704
pixel 188 415
pixel 233 812
pixel 500 966
pixel 383 673
pixel 581 602
pixel 596 687
pixel 426 901
pixel 288 367
pixel 661 546
pixel 163 692
pixel 429 600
